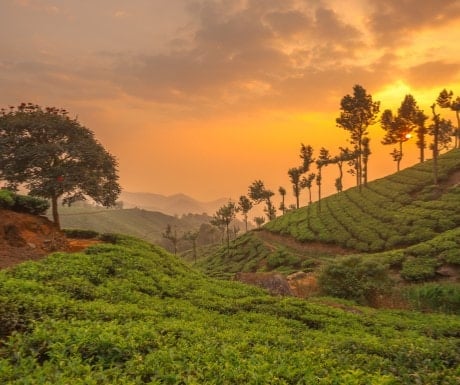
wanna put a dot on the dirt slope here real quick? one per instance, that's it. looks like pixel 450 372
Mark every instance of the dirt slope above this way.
pixel 24 237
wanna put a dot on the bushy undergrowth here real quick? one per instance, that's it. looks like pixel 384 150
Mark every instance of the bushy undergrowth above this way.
pixel 23 203
pixel 130 313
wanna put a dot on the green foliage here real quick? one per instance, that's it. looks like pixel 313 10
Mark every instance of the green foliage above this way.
pixel 23 203
pixel 419 269
pixel 55 156
pixel 131 313
pixel 80 234
pixel 354 278
pixel 435 297
pixel 30 204
pixel 6 199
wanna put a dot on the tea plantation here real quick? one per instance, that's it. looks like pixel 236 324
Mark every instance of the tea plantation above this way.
pixel 131 313
pixel 402 221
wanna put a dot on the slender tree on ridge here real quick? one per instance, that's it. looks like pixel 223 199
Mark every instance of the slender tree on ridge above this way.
pixel 245 205
pixel 398 128
pixel 306 182
pixel 421 132
pixel 258 193
pixel 224 216
pixel 358 112
pixel 322 161
pixel 295 174
pixel 446 100
pixel 172 236
pixel 282 192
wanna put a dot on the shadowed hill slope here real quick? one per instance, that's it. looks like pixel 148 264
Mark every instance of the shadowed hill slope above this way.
pixel 131 313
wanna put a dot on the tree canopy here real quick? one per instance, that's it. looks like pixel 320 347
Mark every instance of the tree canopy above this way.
pixel 54 156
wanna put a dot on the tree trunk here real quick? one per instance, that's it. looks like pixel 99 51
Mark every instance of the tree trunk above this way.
pixel 457 136
pixel 54 209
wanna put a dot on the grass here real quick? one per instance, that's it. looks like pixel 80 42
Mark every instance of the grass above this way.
pixel 131 313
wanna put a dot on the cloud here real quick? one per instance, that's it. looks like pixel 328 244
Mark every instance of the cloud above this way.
pixel 433 73
pixel 393 21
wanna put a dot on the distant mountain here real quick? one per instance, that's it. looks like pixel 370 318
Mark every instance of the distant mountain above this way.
pixel 177 204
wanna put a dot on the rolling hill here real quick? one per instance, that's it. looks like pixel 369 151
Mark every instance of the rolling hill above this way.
pixel 177 204
pixel 128 312
pixel 402 221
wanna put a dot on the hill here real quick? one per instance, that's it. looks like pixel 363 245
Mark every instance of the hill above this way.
pixel 131 313
pixel 402 221
pixel 177 204
pixel 140 223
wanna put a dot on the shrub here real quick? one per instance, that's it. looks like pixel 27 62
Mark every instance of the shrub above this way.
pixel 30 205
pixel 419 269
pixel 80 234
pixel 6 199
pixel 354 278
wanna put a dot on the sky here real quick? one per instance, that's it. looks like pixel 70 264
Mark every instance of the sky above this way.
pixel 203 97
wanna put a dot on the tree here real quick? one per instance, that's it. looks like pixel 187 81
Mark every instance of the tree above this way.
pixel 322 161
pixel 245 205
pixel 295 174
pixel 258 193
pixel 224 216
pixel 345 155
pixel 282 192
pixel 306 154
pixel 445 100
pixel 365 156
pixel 54 156
pixel 192 236
pixel 171 235
pixel 399 127
pixel 358 112
pixel 440 130
pixel 306 182
pixel 259 221
pixel 421 131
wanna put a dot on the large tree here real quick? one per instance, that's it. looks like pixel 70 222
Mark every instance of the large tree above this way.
pixel 54 156
pixel 358 112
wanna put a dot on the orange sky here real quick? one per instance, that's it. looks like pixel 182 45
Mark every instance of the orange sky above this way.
pixel 203 97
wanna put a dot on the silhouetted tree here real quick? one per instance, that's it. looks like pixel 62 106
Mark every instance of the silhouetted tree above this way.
pixel 399 127
pixel 171 235
pixel 258 193
pixel 224 216
pixel 345 155
pixel 446 100
pixel 306 182
pixel 306 154
pixel 421 132
pixel 245 205
pixel 322 161
pixel 282 192
pixel 259 221
pixel 365 157
pixel 440 130
pixel 358 112
pixel 295 174
pixel 54 156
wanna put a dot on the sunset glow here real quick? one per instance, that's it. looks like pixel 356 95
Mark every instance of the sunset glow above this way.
pixel 204 97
